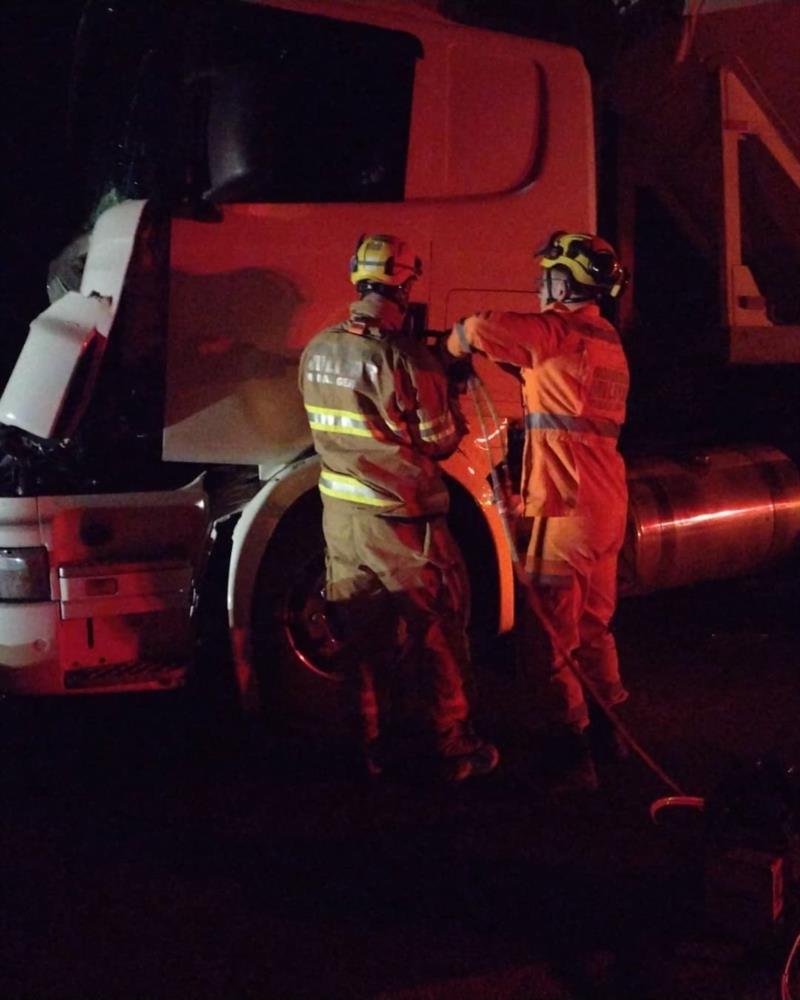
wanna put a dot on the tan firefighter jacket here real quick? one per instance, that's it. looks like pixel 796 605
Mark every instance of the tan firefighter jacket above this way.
pixel 575 387
pixel 377 402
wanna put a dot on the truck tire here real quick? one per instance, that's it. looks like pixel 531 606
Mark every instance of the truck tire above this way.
pixel 296 654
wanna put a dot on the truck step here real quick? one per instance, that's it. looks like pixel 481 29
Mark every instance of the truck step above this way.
pixel 142 675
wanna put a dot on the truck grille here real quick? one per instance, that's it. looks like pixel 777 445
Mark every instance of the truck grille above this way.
pixel 144 675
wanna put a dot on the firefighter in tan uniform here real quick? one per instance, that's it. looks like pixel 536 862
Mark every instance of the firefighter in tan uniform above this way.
pixel 575 386
pixel 379 410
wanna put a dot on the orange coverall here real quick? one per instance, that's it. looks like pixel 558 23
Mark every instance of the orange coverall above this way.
pixel 575 386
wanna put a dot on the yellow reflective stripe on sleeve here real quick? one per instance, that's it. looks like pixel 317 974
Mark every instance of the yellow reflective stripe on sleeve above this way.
pixel 437 430
pixel 340 487
pixel 329 410
pixel 344 422
pixel 320 424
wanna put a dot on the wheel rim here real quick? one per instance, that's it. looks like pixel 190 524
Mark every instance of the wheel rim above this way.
pixel 307 626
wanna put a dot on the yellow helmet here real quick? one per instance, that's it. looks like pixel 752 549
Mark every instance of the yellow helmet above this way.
pixel 384 260
pixel 591 261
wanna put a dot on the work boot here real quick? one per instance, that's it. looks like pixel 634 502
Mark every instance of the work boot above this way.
pixel 359 757
pixel 461 754
pixel 606 744
pixel 568 764
pixel 373 759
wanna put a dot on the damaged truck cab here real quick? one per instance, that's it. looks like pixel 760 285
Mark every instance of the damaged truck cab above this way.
pixel 155 447
pixel 153 413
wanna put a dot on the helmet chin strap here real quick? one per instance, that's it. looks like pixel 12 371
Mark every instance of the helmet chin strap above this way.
pixel 548 283
pixel 551 298
pixel 571 297
pixel 394 293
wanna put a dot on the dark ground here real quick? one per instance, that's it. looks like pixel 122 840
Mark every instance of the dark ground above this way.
pixel 137 863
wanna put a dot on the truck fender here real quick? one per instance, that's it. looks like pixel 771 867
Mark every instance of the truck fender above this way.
pixel 251 537
pixel 262 515
pixel 472 474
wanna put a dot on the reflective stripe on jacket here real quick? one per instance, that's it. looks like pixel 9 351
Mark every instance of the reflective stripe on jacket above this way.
pixel 575 388
pixel 378 406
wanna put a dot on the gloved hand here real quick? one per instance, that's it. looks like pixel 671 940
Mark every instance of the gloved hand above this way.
pixel 459 371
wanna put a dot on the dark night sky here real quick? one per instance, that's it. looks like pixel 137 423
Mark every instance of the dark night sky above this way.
pixel 38 194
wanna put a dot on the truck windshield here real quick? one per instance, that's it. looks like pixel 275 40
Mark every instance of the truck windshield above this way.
pixel 234 101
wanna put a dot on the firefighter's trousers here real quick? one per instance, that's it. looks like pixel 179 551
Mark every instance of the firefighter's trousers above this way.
pixel 571 564
pixel 400 594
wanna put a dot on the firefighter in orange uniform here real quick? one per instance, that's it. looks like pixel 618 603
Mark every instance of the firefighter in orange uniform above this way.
pixel 575 386
pixel 379 408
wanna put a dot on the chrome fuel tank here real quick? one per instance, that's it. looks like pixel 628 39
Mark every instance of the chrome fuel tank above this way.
pixel 718 513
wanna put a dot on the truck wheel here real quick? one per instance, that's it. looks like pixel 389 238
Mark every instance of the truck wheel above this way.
pixel 297 655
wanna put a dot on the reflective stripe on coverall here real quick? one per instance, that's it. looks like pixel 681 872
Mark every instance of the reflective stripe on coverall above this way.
pixel 379 410
pixel 575 386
